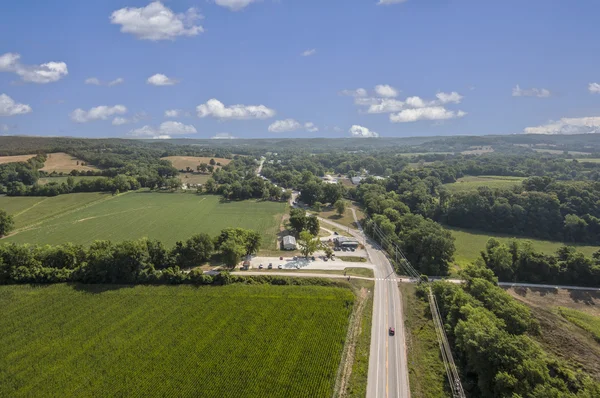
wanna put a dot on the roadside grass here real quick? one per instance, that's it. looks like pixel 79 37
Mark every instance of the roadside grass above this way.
pixel 471 183
pixel 168 217
pixel 346 219
pixel 585 321
pixel 469 243
pixel 425 366
pixel 357 384
pixel 353 259
pixel 352 271
pixel 235 340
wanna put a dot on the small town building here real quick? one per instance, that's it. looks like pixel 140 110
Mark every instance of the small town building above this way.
pixel 343 241
pixel 289 243
pixel 356 180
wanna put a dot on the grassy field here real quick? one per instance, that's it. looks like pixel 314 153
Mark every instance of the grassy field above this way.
pixel 82 218
pixel 425 366
pixel 584 160
pixel 181 162
pixel 585 321
pixel 13 159
pixel 60 180
pixel 470 243
pixel 560 152
pixel 229 341
pixel 63 162
pixel 471 183
pixel 346 219
pixel 194 178
pixel 560 336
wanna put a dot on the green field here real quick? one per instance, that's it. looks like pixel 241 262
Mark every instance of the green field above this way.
pixel 60 180
pixel 82 218
pixel 588 160
pixel 585 321
pixel 471 183
pixel 228 341
pixel 470 243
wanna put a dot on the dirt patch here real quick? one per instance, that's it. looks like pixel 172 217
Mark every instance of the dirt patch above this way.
pixel 65 163
pixel 181 162
pixel 585 301
pixel 13 159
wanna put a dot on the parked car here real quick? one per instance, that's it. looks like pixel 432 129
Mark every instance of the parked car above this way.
pixel 260 266
pixel 335 233
pixel 352 249
pixel 392 331
pixel 313 258
pixel 280 266
pixel 270 266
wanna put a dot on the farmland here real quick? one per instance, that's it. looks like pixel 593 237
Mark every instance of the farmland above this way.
pixel 181 162
pixel 470 183
pixel 61 162
pixel 13 159
pixel 470 243
pixel 227 341
pixel 84 217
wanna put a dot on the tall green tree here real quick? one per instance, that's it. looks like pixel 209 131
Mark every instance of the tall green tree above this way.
pixel 6 223
pixel 308 243
pixel 340 206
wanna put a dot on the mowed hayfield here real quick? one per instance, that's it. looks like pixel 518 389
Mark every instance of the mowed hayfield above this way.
pixel 84 217
pixel 61 162
pixel 156 341
pixel 583 160
pixel 181 162
pixel 471 183
pixel 470 243
pixel 14 159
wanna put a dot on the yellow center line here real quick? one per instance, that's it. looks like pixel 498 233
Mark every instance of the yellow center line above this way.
pixel 386 342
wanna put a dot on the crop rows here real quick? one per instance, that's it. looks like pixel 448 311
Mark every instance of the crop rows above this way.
pixel 232 341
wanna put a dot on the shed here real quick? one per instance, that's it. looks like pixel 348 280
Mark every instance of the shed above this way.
pixel 342 241
pixel 289 243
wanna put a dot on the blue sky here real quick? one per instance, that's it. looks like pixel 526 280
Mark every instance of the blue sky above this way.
pixel 298 68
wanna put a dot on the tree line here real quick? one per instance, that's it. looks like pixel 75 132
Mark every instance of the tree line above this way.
pixel 490 333
pixel 130 261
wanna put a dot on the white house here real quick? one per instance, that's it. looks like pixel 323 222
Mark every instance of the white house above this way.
pixel 289 243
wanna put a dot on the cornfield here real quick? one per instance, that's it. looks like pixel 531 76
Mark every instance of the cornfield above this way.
pixel 231 341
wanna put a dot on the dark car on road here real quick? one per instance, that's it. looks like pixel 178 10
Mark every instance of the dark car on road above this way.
pixel 392 331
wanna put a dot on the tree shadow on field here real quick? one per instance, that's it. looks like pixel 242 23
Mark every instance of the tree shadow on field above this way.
pixel 587 297
pixel 98 288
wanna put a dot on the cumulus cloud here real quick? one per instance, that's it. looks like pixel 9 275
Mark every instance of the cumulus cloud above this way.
pixel 116 82
pixel 449 98
pixel 165 130
pixel 386 106
pixel 161 80
pixel 517 91
pixel 427 113
pixel 217 109
pixel 389 2
pixel 44 73
pixel 118 121
pixel 102 112
pixel 172 113
pixel 157 22
pixel 581 125
pixel 360 131
pixel 594 88
pixel 8 107
pixel 310 127
pixel 96 82
pixel 223 136
pixel 385 90
pixel 92 80
pixel 308 53
pixel 283 126
pixel 234 5
pixel 359 92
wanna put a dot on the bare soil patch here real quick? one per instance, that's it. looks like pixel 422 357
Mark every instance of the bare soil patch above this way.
pixel 65 163
pixel 181 162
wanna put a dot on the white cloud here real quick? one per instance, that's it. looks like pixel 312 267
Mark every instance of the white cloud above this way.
pixel 116 82
pixel 43 73
pixel 581 125
pixel 360 131
pixel 217 109
pixel 359 92
pixel 161 80
pixel 310 127
pixel 283 126
pixel 310 52
pixel 531 92
pixel 418 102
pixel 92 80
pixel 594 88
pixel 388 2
pixel 102 112
pixel 8 107
pixel 337 129
pixel 386 105
pixel 118 121
pixel 223 136
pixel 234 5
pixel 427 113
pixel 157 22
pixel 449 98
pixel 165 130
pixel 385 90
pixel 172 113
